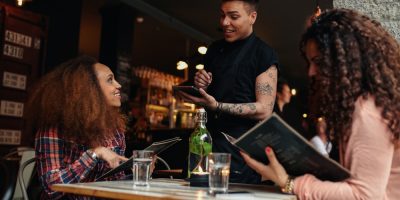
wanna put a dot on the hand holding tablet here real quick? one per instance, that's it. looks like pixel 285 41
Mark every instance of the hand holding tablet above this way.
pixel 191 90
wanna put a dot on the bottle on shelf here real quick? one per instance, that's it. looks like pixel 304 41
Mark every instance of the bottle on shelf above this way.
pixel 200 145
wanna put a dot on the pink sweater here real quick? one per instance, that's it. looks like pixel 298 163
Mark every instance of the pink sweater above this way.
pixel 371 157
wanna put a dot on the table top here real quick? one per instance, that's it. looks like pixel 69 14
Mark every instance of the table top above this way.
pixel 174 189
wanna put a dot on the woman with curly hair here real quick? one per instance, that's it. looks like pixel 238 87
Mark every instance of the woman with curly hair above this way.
pixel 74 111
pixel 356 66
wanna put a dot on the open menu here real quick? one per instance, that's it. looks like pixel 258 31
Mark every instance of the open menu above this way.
pixel 156 147
pixel 293 151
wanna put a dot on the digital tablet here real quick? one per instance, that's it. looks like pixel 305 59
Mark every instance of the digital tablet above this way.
pixel 188 89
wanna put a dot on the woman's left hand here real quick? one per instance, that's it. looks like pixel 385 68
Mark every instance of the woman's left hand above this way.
pixel 206 100
pixel 274 171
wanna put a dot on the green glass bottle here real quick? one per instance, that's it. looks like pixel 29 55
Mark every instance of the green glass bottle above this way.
pixel 200 145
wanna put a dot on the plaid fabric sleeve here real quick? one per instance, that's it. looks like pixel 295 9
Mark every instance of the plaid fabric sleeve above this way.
pixel 58 164
pixel 118 145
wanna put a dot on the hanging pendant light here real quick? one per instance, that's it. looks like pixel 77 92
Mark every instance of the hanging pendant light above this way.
pixel 21 2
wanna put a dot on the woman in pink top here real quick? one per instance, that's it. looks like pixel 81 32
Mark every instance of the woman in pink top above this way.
pixel 355 65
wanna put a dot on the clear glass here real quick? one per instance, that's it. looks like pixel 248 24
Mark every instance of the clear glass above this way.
pixel 219 169
pixel 200 145
pixel 141 167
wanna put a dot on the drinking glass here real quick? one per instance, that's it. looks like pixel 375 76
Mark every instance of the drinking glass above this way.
pixel 219 168
pixel 141 167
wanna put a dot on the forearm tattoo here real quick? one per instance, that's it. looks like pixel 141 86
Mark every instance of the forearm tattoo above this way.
pixel 238 109
pixel 263 88
pixel 251 106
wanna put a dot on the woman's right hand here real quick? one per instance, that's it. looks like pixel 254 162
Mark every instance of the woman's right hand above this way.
pixel 112 158
pixel 274 171
pixel 202 79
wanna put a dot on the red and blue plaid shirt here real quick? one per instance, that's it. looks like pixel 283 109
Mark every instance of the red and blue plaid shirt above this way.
pixel 61 161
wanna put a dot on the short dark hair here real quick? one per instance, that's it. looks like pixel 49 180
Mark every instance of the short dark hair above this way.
pixel 252 3
pixel 280 84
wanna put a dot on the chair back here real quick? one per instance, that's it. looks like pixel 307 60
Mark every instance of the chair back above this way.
pixel 21 176
pixel 8 177
pixel 26 171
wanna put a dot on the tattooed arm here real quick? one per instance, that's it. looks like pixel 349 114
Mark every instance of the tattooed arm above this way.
pixel 260 109
pixel 265 98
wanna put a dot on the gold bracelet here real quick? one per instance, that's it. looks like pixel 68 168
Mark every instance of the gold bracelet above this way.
pixel 289 186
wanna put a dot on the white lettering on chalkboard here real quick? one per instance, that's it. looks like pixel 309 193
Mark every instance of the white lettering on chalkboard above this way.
pixel 11 108
pixel 10 137
pixel 18 38
pixel 13 51
pixel 12 80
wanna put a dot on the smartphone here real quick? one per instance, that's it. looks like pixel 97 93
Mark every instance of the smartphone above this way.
pixel 188 89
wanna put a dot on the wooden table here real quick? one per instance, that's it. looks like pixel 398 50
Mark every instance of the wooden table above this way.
pixel 169 189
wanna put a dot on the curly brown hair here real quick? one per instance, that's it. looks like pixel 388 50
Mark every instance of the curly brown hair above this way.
pixel 70 99
pixel 358 57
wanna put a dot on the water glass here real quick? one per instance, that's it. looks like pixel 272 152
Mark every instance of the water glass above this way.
pixel 219 168
pixel 141 167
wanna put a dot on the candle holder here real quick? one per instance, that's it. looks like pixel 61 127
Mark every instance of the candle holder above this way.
pixel 199 179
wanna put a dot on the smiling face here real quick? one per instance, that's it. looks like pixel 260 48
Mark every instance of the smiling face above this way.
pixel 109 86
pixel 237 19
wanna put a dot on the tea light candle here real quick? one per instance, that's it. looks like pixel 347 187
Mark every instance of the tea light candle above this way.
pixel 199 179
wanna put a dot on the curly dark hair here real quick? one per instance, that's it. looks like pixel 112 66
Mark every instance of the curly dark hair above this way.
pixel 70 99
pixel 358 58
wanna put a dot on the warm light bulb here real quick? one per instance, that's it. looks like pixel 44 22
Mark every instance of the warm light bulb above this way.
pixel 139 19
pixel 317 12
pixel 293 92
pixel 181 65
pixel 20 2
pixel 305 115
pixel 200 66
pixel 202 50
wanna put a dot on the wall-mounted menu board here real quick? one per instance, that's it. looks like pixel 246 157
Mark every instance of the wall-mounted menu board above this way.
pixel 23 38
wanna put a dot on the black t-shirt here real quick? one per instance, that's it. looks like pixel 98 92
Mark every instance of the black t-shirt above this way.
pixel 235 67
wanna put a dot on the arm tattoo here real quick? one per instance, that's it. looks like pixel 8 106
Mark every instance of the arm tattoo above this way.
pixel 264 89
pixel 251 106
pixel 272 73
pixel 238 109
pixel 250 109
pixel 230 108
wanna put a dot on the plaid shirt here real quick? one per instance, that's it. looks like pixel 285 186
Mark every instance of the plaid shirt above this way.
pixel 61 161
